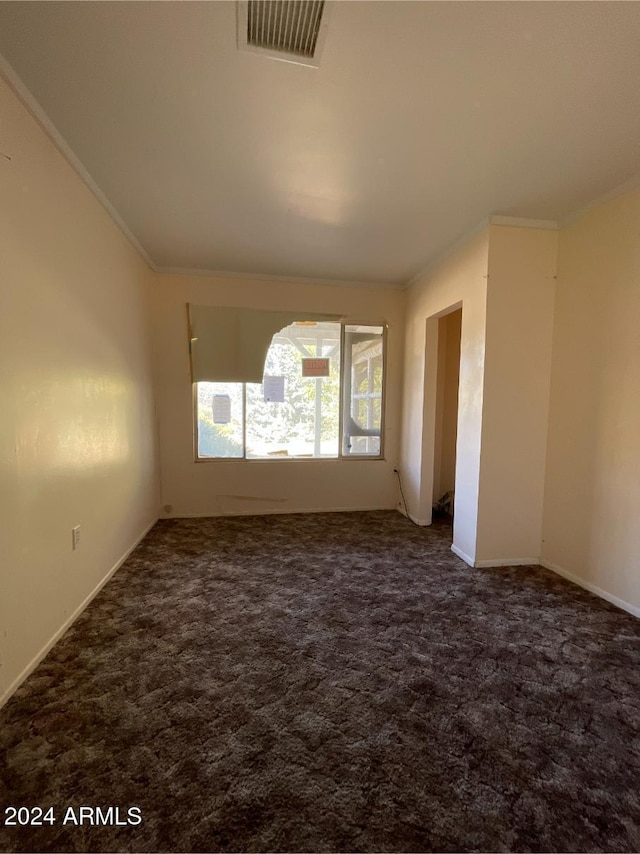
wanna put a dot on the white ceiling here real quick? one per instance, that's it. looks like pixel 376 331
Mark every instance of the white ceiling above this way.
pixel 423 119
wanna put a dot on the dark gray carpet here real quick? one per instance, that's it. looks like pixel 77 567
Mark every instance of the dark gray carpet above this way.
pixel 331 682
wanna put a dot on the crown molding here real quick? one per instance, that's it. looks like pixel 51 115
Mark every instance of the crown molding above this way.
pixel 524 222
pixel 35 110
pixel 33 107
pixel 493 219
pixel 270 277
pixel 441 257
pixel 627 186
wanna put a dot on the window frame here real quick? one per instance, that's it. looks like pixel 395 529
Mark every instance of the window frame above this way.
pixel 341 402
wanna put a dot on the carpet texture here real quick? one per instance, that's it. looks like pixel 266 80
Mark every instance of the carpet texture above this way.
pixel 331 682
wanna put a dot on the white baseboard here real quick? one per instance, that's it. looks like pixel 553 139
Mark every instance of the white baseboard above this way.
pixel 512 561
pixel 423 523
pixel 592 588
pixel 465 557
pixel 35 661
pixel 486 564
pixel 252 511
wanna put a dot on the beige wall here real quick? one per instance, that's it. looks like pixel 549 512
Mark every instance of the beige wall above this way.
pixel 76 420
pixel 461 280
pixel 242 487
pixel 504 277
pixel 592 493
pixel 520 301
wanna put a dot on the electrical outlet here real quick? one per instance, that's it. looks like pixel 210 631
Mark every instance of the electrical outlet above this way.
pixel 75 537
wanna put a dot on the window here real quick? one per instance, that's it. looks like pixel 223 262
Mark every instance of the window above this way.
pixel 320 398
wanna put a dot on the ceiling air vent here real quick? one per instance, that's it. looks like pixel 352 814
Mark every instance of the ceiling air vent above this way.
pixel 290 30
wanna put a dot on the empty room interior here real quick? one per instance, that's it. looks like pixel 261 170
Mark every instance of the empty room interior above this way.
pixel 320 426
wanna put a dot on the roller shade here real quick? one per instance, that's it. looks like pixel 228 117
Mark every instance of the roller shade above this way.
pixel 231 344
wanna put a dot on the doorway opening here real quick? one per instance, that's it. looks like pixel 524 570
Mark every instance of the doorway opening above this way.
pixel 446 414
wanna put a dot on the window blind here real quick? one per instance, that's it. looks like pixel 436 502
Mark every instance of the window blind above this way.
pixel 231 344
